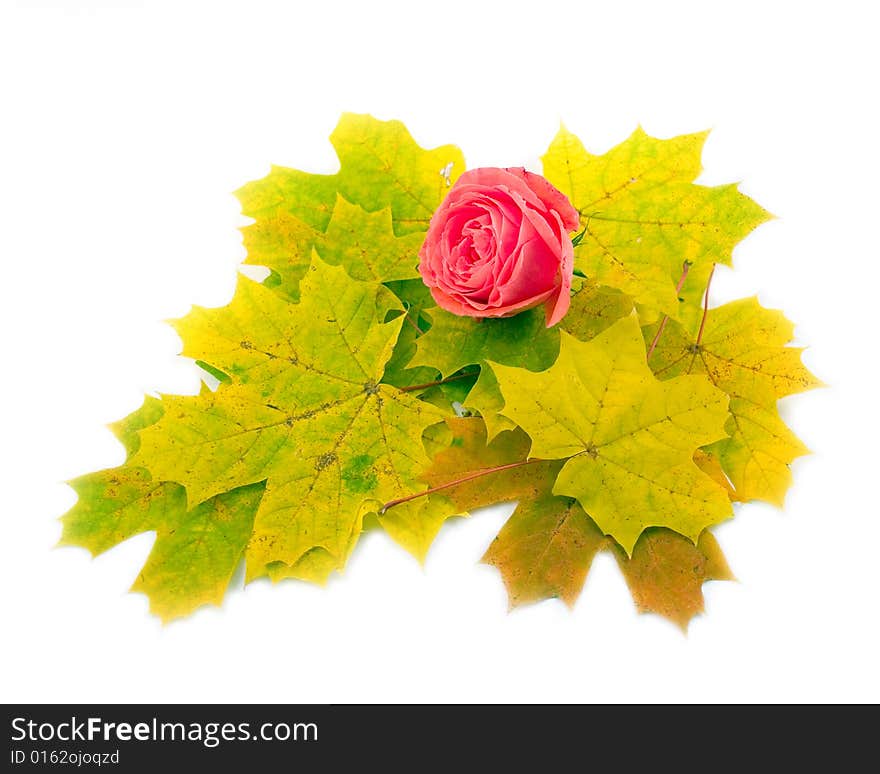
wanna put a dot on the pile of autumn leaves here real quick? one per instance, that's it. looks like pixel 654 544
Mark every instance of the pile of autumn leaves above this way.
pixel 339 388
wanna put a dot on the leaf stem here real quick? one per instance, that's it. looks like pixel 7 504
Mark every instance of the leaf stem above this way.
pixel 456 482
pixel 414 324
pixel 414 387
pixel 705 307
pixel 685 268
pixel 695 349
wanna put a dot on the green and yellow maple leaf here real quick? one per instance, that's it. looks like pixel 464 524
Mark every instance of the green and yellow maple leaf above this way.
pixel 643 216
pixel 744 351
pixel 524 341
pixel 119 503
pixel 304 412
pixel 196 551
pixel 629 439
pixel 382 170
pixel 364 244
pixel 284 244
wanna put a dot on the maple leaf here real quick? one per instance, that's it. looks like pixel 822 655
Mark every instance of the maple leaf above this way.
pixel 666 572
pixel 382 170
pixel 282 243
pixel 416 298
pixel 414 525
pixel 743 351
pixel 459 448
pixel 303 411
pixel 547 546
pixel 643 216
pixel 398 371
pixel 103 515
pixel 196 552
pixel 710 464
pixel 364 244
pixel 629 439
pixel 545 550
pixel 469 449
pixel 455 342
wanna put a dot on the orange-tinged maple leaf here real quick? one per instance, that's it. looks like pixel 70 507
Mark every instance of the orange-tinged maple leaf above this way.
pixel 469 452
pixel 547 546
pixel 666 573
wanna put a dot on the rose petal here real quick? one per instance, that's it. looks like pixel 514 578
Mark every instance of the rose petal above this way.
pixel 510 177
pixel 556 308
pixel 552 197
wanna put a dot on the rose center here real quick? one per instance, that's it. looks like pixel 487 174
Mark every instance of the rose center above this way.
pixel 478 241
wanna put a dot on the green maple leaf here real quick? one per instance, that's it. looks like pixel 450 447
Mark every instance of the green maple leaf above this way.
pixel 382 170
pixel 196 552
pixel 303 411
pixel 629 440
pixel 454 343
pixel 744 352
pixel 399 371
pixel 643 216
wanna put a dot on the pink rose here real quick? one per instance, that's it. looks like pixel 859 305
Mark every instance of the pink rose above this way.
pixel 499 244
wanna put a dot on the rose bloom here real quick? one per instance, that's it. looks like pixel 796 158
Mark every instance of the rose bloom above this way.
pixel 499 244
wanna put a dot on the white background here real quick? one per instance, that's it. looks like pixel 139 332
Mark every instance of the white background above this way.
pixel 126 125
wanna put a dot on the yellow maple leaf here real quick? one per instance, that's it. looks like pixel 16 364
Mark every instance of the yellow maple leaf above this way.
pixel 629 439
pixel 743 351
